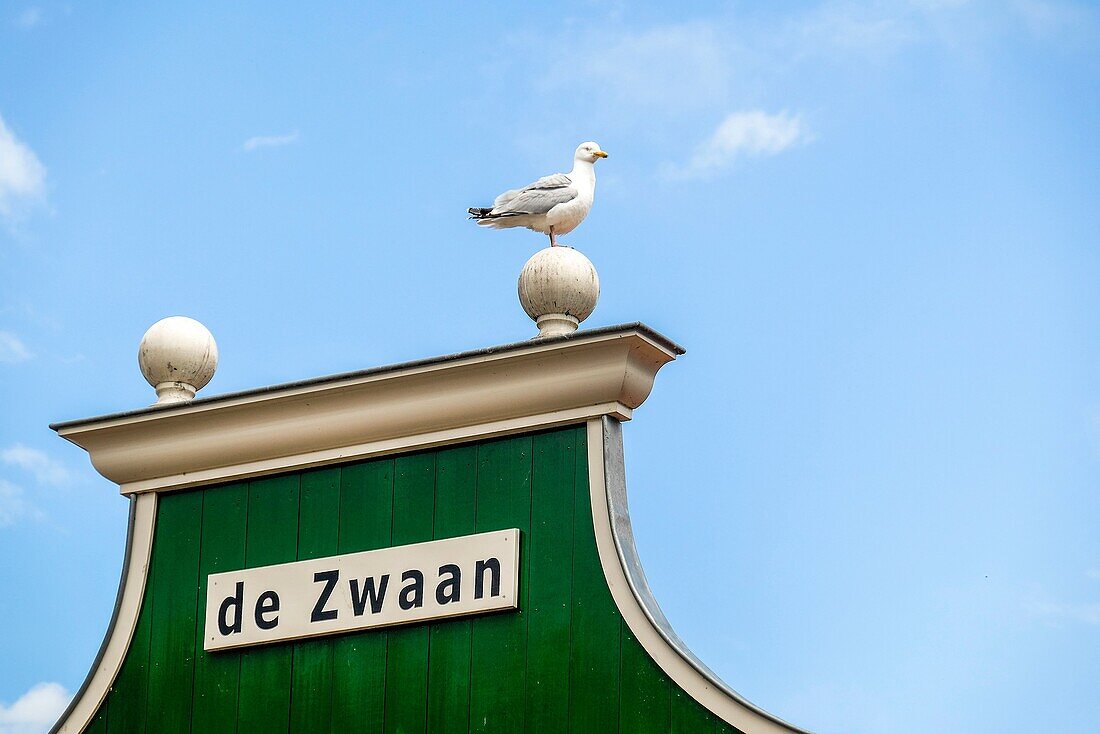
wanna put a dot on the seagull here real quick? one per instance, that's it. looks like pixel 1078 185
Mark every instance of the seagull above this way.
pixel 552 205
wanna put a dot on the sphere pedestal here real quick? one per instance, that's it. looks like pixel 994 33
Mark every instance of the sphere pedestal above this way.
pixel 178 357
pixel 558 289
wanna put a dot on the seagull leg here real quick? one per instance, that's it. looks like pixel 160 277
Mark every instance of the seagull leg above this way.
pixel 553 240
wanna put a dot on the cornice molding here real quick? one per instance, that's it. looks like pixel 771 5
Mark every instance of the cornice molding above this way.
pixel 496 391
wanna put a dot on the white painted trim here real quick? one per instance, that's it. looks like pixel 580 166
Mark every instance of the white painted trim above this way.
pixel 480 395
pixel 615 544
pixel 378 448
pixel 139 548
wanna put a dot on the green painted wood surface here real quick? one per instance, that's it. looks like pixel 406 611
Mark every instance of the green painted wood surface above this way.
pixel 359 660
pixel 271 537
pixel 644 702
pixel 217 676
pixel 499 645
pixel 174 606
pixel 550 547
pixel 318 533
pixel 565 661
pixel 407 653
pixel 449 645
pixel 688 716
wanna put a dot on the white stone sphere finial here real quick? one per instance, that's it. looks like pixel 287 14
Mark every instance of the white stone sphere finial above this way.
pixel 558 288
pixel 178 357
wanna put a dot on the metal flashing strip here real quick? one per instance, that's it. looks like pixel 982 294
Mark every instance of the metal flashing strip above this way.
pixel 626 578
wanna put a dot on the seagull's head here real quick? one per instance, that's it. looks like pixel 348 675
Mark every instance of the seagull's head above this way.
pixel 589 152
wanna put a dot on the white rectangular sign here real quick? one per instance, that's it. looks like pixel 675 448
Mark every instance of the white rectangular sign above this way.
pixel 410 583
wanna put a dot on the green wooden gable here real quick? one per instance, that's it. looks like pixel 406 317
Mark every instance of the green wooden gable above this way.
pixel 586 649
pixel 565 661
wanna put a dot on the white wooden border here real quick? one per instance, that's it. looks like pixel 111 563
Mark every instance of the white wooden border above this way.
pixel 131 590
pixel 629 589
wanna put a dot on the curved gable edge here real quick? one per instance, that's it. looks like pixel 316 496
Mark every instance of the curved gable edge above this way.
pixel 630 590
pixel 120 630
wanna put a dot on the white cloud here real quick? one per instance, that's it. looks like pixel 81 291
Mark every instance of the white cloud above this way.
pixel 35 711
pixel 22 175
pixel 604 76
pixel 13 506
pixel 268 141
pixel 44 469
pixel 29 18
pixel 744 134
pixel 854 27
pixel 12 348
pixel 664 69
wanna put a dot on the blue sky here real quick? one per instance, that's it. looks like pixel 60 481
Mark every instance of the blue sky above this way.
pixel 867 496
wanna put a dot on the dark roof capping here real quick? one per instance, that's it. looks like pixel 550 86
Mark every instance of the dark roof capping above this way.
pixel 636 326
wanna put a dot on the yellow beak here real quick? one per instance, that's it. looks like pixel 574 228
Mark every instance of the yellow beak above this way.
pixel 600 153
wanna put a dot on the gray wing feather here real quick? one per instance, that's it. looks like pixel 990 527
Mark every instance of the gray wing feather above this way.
pixel 537 198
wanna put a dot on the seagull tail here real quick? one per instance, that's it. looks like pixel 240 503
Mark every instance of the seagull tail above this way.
pixel 479 212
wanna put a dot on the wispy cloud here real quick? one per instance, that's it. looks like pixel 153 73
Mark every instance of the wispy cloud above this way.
pixel 687 63
pixel 743 134
pixel 29 18
pixel 268 141
pixel 22 175
pixel 12 348
pixel 612 78
pixel 14 505
pixel 37 463
pixel 35 711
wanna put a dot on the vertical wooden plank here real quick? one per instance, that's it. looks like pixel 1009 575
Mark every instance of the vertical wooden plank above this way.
pixel 175 603
pixel 644 699
pixel 499 646
pixel 359 659
pixel 263 702
pixel 217 675
pixel 594 649
pixel 407 654
pixel 688 715
pixel 318 535
pixel 449 649
pixel 551 551
pixel 126 705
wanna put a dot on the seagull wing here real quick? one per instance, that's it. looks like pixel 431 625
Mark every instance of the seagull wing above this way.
pixel 536 198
